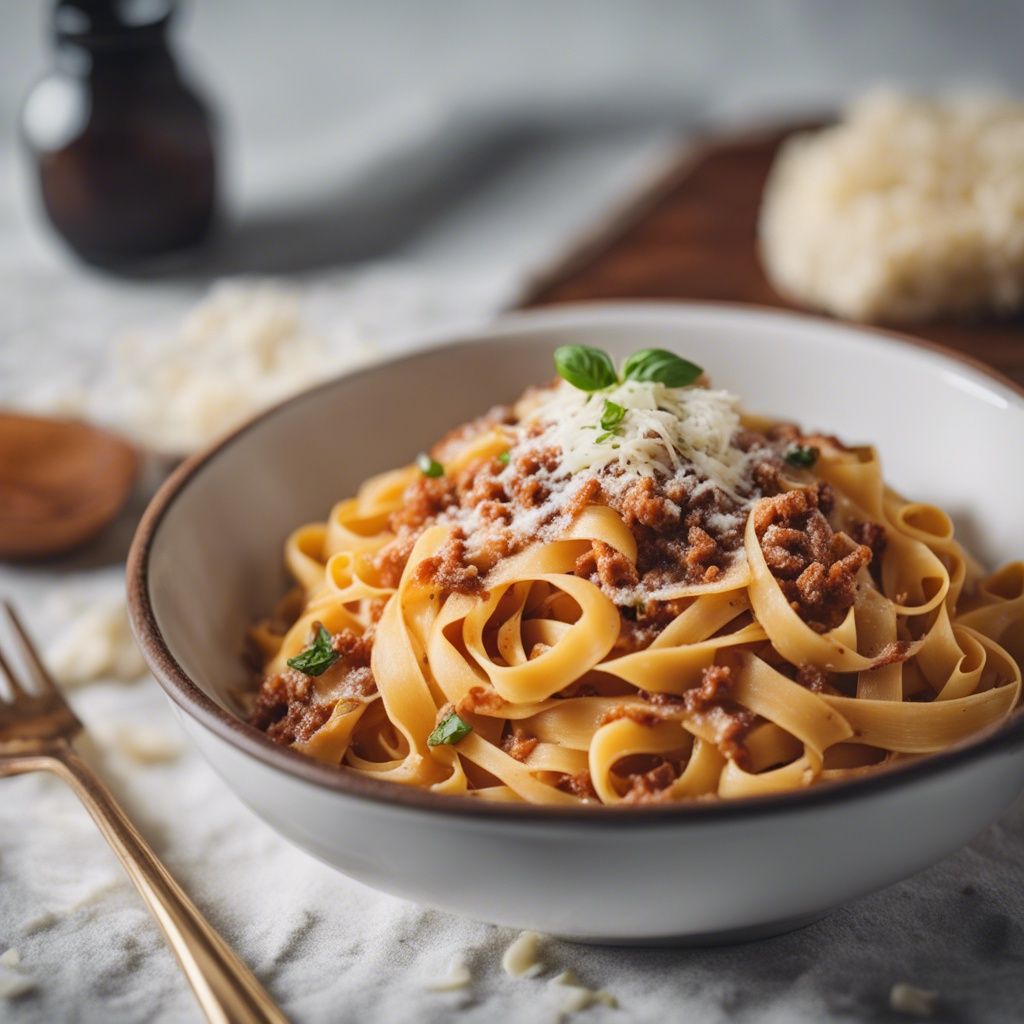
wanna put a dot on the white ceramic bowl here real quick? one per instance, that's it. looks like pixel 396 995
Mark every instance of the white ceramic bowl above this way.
pixel 207 560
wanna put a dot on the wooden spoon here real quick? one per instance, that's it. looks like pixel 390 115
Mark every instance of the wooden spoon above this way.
pixel 61 482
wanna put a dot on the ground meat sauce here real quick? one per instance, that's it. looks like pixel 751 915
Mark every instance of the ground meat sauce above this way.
pixel 816 567
pixel 687 531
pixel 710 702
pixel 286 707
pixel 652 785
pixel 518 745
pixel 579 785
pixel 289 708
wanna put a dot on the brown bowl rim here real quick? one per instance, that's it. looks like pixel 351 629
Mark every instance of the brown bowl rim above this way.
pixel 191 699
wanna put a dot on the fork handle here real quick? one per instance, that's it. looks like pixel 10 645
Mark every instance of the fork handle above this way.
pixel 227 990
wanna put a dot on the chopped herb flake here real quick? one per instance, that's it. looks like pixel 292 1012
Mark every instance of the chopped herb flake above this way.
pixel 611 415
pixel 666 368
pixel 318 656
pixel 429 466
pixel 449 731
pixel 588 369
pixel 504 458
pixel 800 455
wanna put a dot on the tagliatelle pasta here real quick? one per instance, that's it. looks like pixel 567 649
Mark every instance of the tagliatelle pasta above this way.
pixel 620 590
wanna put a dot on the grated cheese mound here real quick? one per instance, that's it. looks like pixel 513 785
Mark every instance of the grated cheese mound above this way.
pixel 664 430
pixel 244 347
pixel 908 209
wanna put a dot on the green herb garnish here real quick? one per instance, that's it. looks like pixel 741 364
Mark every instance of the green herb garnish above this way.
pixel 588 369
pixel 429 466
pixel 504 458
pixel 666 368
pixel 601 438
pixel 449 731
pixel 799 455
pixel 318 656
pixel 591 369
pixel 611 415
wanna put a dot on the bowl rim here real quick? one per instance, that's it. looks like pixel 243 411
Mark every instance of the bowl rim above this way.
pixel 188 696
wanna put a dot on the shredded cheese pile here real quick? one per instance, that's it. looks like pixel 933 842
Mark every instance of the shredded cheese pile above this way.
pixel 663 430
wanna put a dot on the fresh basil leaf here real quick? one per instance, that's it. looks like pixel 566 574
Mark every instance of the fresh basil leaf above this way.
pixel 588 369
pixel 429 466
pixel 655 364
pixel 317 657
pixel 801 455
pixel 504 458
pixel 611 415
pixel 449 731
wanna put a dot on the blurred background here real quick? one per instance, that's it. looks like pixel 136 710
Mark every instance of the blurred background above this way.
pixel 312 98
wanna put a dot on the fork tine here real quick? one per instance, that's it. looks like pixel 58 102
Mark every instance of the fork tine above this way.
pixel 41 677
pixel 16 689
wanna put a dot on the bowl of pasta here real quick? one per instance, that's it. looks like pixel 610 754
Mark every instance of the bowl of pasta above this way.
pixel 628 623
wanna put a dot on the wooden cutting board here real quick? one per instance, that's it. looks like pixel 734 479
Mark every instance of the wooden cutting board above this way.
pixel 695 238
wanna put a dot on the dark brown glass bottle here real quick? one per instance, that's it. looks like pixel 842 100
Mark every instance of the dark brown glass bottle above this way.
pixel 123 145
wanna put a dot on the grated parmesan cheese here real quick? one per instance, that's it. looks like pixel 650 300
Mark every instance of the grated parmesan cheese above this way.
pixel 520 959
pixel 664 430
pixel 908 209
pixel 244 347
pixel 10 958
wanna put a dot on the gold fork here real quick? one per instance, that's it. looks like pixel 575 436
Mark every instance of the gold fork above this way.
pixel 36 729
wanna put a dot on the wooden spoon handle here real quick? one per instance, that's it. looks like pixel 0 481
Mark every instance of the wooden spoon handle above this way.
pixel 227 990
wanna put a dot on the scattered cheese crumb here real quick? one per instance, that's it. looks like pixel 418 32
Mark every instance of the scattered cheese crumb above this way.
pixel 580 996
pixel 567 977
pixel 145 744
pixel 520 959
pixel 14 985
pixel 917 1002
pixel 98 644
pixel 456 977
pixel 48 918
pixel 12 982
